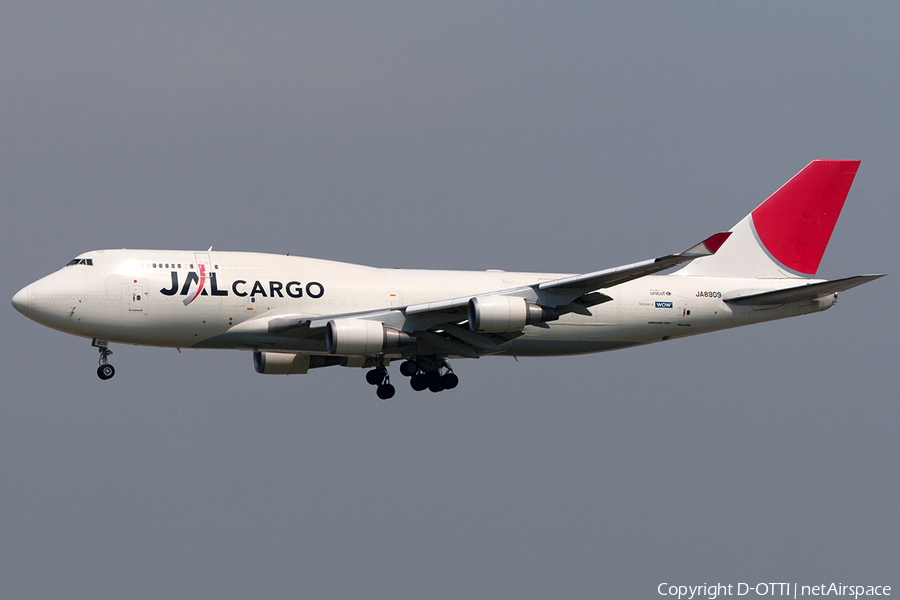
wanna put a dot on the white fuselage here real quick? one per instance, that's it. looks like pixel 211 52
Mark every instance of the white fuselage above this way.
pixel 225 300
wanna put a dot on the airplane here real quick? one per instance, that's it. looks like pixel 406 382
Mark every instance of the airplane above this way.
pixel 296 314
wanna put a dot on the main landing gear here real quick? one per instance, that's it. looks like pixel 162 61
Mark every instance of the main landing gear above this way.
pixel 428 373
pixel 424 372
pixel 379 376
pixel 105 370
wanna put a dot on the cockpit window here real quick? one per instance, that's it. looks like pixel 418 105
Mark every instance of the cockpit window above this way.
pixel 81 261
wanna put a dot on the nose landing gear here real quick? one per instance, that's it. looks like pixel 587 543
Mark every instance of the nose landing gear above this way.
pixel 105 370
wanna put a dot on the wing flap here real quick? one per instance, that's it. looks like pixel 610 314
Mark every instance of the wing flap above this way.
pixel 448 345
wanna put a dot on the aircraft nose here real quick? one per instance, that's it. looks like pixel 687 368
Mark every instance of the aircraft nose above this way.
pixel 20 301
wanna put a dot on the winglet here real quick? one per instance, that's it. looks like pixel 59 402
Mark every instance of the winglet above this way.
pixel 709 246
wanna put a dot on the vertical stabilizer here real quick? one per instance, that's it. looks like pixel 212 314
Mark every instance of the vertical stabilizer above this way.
pixel 785 236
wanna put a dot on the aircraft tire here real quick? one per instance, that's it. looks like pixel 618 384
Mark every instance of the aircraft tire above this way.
pixel 418 382
pixel 449 381
pixel 385 391
pixel 105 372
pixel 409 368
pixel 374 377
pixel 436 387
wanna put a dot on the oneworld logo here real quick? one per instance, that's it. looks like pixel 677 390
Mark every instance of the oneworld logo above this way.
pixel 195 285
pixel 663 305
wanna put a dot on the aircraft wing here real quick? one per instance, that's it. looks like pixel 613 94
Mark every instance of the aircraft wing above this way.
pixel 577 292
pixel 442 323
pixel 809 291
pixel 578 285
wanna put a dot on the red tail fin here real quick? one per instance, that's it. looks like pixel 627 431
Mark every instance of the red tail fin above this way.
pixel 795 223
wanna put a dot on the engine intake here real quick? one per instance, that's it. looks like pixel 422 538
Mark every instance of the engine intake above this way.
pixel 496 314
pixel 352 337
pixel 280 363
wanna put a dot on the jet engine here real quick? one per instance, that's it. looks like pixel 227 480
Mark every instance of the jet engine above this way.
pixel 349 337
pixel 280 363
pixel 496 314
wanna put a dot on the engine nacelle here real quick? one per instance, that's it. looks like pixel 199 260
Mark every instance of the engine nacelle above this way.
pixel 352 337
pixel 280 363
pixel 496 314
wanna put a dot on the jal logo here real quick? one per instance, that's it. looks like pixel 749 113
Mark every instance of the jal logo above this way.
pixel 195 284
pixel 663 305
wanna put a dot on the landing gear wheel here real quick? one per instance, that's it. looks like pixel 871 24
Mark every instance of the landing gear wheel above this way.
pixel 106 371
pixel 375 377
pixel 449 381
pixel 429 373
pixel 409 368
pixel 418 382
pixel 385 391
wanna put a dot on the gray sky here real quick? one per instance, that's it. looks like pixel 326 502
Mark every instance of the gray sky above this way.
pixel 522 136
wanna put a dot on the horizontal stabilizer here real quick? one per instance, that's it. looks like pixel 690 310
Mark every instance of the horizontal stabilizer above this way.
pixel 803 292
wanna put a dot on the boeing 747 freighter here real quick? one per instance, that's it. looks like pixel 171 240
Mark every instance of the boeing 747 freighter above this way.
pixel 295 314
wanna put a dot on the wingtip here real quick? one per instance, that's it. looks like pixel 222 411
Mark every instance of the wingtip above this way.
pixel 709 246
pixel 715 241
